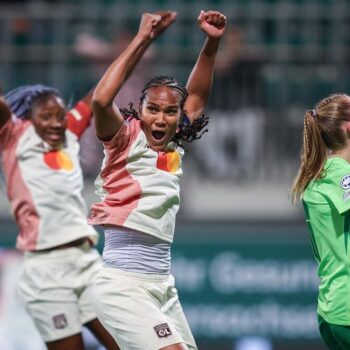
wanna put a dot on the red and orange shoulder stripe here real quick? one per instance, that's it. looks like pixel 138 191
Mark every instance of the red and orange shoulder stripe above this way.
pixel 79 118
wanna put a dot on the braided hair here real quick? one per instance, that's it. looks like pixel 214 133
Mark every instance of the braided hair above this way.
pixel 22 99
pixel 186 131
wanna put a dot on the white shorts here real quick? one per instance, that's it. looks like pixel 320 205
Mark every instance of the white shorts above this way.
pixel 141 311
pixel 56 289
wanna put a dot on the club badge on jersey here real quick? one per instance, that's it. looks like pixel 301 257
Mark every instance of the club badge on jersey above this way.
pixel 345 182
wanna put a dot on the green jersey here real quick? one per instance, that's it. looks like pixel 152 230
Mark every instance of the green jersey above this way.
pixel 326 204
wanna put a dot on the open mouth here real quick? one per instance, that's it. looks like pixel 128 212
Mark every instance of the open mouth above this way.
pixel 54 137
pixel 158 135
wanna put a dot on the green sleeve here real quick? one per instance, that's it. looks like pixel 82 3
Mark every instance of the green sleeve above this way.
pixel 339 189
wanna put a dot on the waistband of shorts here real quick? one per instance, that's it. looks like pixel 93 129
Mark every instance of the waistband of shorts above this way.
pixel 83 244
pixel 142 276
pixel 76 243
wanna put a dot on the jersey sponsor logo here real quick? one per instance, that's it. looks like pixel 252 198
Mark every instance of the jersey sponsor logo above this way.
pixel 162 330
pixel 60 321
pixel 169 161
pixel 345 182
pixel 58 160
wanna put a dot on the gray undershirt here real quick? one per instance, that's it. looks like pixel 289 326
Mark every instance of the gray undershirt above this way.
pixel 135 251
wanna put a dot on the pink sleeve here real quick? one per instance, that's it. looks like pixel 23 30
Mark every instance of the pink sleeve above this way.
pixel 7 134
pixel 125 136
pixel 79 118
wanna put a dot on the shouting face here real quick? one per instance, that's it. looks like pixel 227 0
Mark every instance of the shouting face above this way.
pixel 160 116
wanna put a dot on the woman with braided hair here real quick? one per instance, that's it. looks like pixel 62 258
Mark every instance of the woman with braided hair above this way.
pixel 323 183
pixel 40 156
pixel 135 296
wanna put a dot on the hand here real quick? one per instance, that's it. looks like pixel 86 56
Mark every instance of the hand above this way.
pixel 149 22
pixel 167 19
pixel 213 23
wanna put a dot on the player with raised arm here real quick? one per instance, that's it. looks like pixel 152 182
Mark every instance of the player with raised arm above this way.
pixel 136 298
pixel 40 156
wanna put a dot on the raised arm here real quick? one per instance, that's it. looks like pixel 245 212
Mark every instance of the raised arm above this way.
pixel 79 117
pixel 5 112
pixel 108 119
pixel 212 23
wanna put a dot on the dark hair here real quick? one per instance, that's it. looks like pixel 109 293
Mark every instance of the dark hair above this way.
pixel 186 131
pixel 322 132
pixel 22 99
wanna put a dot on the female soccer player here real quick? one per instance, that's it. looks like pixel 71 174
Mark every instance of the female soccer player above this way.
pixel 39 145
pixel 323 182
pixel 135 295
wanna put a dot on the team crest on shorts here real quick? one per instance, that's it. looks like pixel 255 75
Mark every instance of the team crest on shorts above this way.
pixel 345 182
pixel 60 321
pixel 162 330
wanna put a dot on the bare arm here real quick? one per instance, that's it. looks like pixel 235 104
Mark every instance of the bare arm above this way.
pixel 108 118
pixel 213 23
pixel 5 112
pixel 88 97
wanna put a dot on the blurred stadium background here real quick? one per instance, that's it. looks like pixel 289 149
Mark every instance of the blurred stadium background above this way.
pixel 241 256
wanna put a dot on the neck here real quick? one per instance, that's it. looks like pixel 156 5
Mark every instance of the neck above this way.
pixel 343 153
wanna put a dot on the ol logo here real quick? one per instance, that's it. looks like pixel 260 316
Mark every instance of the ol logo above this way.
pixel 60 321
pixel 162 330
pixel 345 182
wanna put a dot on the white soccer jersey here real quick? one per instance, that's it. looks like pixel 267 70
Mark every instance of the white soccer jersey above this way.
pixel 44 186
pixel 139 187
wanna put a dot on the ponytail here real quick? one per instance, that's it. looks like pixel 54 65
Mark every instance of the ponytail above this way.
pixel 322 133
pixel 313 155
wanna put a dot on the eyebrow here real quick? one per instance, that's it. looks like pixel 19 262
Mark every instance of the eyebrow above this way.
pixel 156 104
pixel 45 109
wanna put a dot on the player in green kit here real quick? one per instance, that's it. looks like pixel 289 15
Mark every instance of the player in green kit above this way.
pixel 323 182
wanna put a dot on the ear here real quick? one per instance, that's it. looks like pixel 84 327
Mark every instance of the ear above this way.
pixel 346 128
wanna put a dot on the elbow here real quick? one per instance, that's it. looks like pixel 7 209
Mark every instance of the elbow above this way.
pixel 100 101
